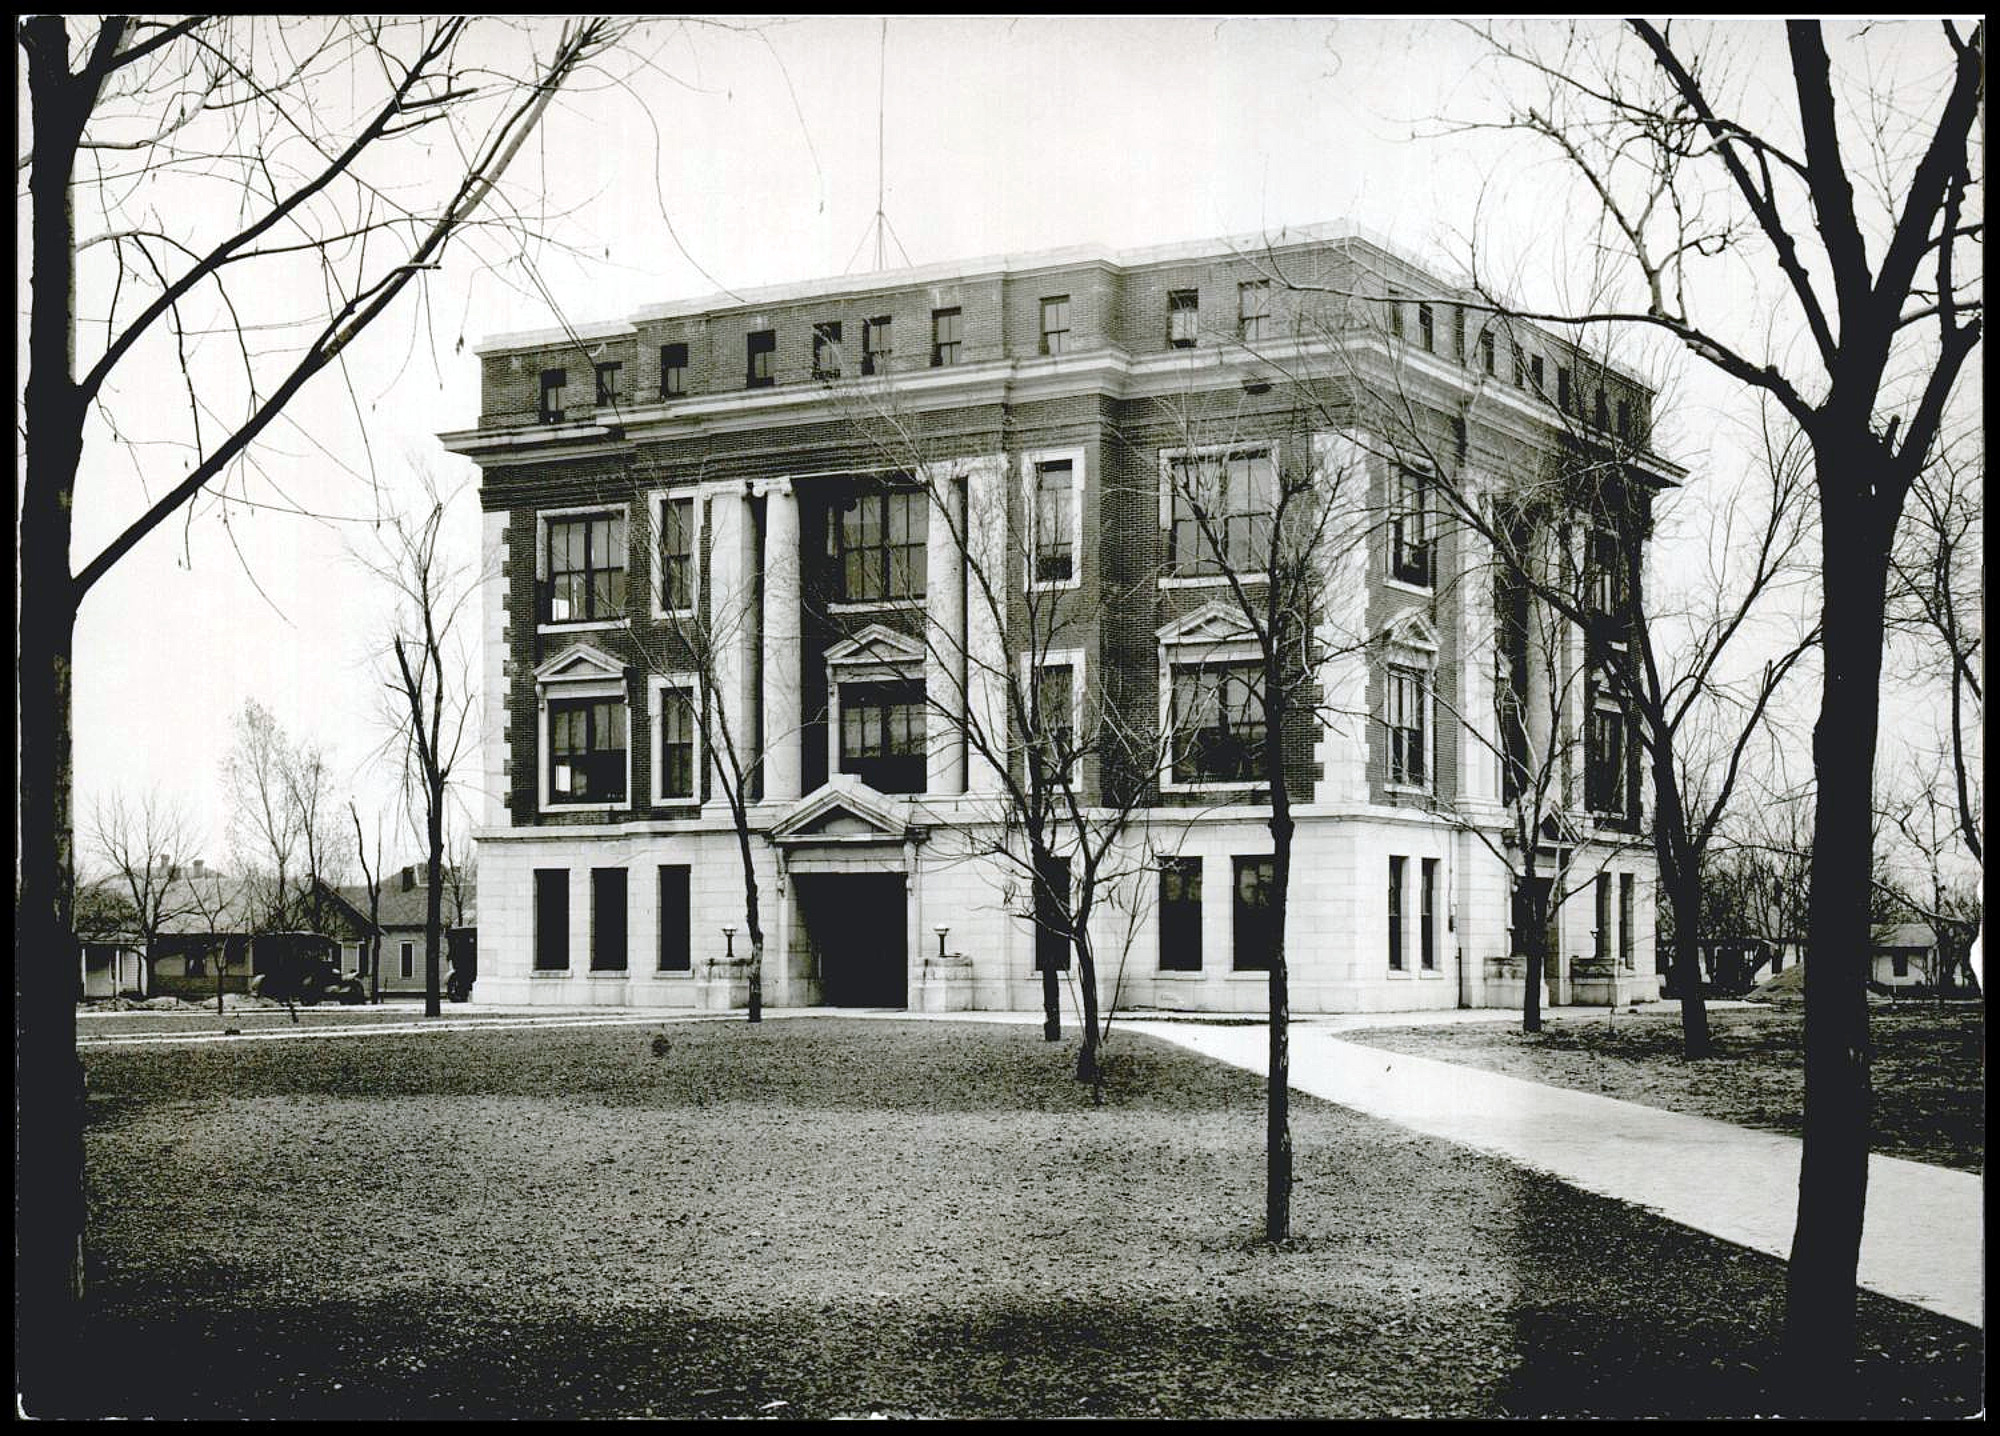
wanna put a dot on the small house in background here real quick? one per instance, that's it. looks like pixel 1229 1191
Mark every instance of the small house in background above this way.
pixel 400 914
pixel 1905 955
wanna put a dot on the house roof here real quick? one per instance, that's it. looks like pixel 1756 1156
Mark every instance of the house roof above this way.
pixel 404 907
pixel 1904 934
pixel 213 902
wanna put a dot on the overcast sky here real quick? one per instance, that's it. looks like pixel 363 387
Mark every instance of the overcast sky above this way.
pixel 748 158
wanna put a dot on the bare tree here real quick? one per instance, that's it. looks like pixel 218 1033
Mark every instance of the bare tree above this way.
pixel 262 787
pixel 164 116
pixel 371 877
pixel 1690 178
pixel 433 709
pixel 145 847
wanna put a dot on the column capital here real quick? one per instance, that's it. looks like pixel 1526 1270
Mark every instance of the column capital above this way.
pixel 764 488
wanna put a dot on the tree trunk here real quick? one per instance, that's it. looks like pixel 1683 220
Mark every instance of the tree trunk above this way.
pixel 1051 1005
pixel 49 1192
pixel 1088 1068
pixel 433 899
pixel 1680 874
pixel 1277 1102
pixel 1833 1174
pixel 1535 929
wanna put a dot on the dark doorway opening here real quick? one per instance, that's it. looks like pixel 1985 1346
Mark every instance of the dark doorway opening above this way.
pixel 858 926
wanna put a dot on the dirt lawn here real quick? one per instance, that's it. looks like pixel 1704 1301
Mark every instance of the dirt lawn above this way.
pixel 836 1217
pixel 1928 1071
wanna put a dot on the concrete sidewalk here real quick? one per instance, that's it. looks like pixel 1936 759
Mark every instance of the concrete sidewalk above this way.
pixel 1924 1237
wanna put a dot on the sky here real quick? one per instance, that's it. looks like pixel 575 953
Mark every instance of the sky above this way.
pixel 737 157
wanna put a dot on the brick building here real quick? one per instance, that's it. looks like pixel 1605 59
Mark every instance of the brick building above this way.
pixel 847 515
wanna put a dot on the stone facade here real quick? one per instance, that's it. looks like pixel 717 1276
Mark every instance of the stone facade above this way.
pixel 758 486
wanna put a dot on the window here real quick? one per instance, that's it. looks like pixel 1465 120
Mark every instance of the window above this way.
pixel 1253 310
pixel 1180 915
pixel 608 382
pixel 406 960
pixel 1239 494
pixel 1604 758
pixel 1535 372
pixel 1606 576
pixel 946 337
pixel 1395 316
pixel 1601 945
pixel 586 567
pixel 1254 932
pixel 1899 964
pixel 1410 529
pixel 876 346
pixel 1052 897
pixel 1055 324
pixel 1627 902
pixel 1396 914
pixel 826 350
pixel 882 734
pixel 759 347
pixel 607 919
pixel 1055 522
pixel 1487 360
pixel 551 919
pixel 677 555
pixel 1218 722
pixel 1427 327
pixel 676 932
pixel 1600 411
pixel 1408 745
pixel 554 383
pixel 1520 367
pixel 1458 349
pixel 673 370
pixel 1055 715
pixel 1562 387
pixel 677 744
pixel 879 541
pixel 1427 951
pixel 586 750
pixel 1183 317
pixel 1624 418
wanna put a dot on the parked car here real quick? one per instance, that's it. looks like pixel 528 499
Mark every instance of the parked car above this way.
pixel 299 967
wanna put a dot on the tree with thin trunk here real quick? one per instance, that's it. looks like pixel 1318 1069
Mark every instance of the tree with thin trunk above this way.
pixel 262 788
pixel 1874 258
pixel 429 678
pixel 371 877
pixel 145 847
pixel 227 124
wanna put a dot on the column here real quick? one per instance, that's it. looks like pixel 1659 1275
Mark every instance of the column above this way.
pixel 944 658
pixel 986 619
pixel 1479 735
pixel 731 615
pixel 782 706
pixel 1340 461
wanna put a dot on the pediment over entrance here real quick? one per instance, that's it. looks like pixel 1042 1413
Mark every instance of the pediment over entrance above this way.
pixel 843 810
pixel 581 663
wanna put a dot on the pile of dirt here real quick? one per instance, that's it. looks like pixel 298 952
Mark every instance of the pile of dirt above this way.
pixel 1786 986
pixel 231 1002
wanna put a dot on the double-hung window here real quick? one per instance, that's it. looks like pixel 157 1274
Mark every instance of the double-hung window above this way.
pixel 1427 327
pixel 677 554
pixel 1180 915
pixel 678 743
pixel 610 379
pixel 407 961
pixel 826 350
pixel 882 734
pixel 1487 358
pixel 1183 318
pixel 1055 324
pixel 947 335
pixel 1410 529
pixel 586 750
pixel 760 347
pixel 1222 512
pixel 1409 739
pixel 586 568
pixel 1054 717
pixel 1427 952
pixel 879 541
pixel 876 346
pixel 555 383
pixel 673 370
pixel 1627 905
pixel 1605 568
pixel 1255 924
pixel 1601 946
pixel 1055 521
pixel 1253 311
pixel 1396 866
pixel 1605 756
pixel 1218 722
